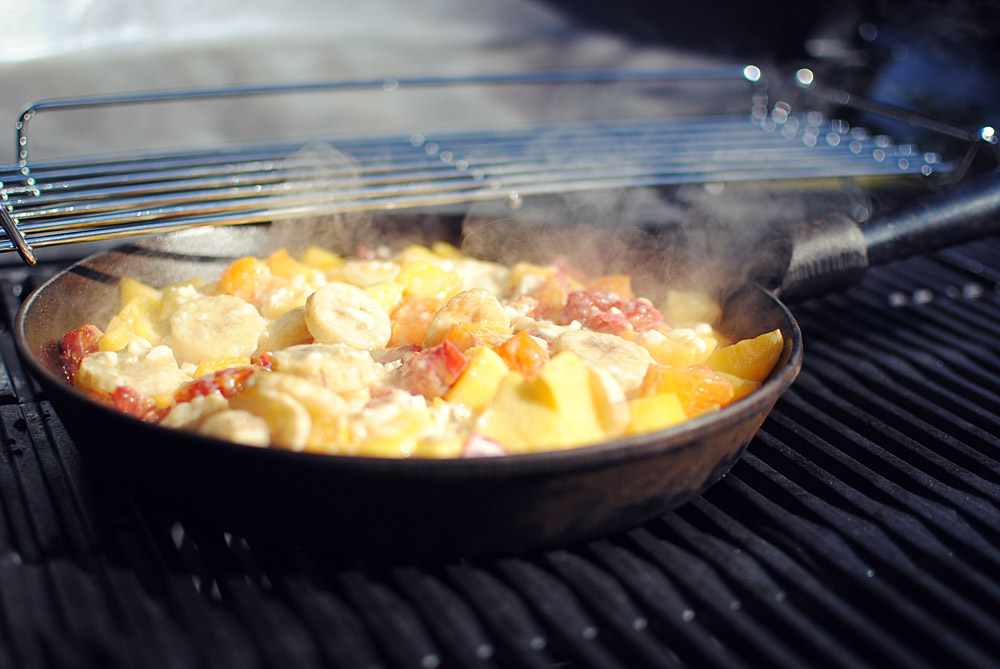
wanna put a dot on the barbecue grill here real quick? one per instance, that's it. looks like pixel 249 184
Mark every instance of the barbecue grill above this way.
pixel 861 527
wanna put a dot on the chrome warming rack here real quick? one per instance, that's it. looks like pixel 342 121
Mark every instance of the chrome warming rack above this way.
pixel 107 197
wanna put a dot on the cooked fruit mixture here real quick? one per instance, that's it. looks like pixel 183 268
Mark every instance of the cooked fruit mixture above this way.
pixel 423 353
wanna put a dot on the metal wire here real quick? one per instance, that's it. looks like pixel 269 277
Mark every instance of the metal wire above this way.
pixel 99 198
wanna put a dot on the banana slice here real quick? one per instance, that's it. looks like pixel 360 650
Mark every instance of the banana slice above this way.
pixel 150 371
pixel 288 330
pixel 475 305
pixel 339 313
pixel 190 414
pixel 326 408
pixel 288 421
pixel 215 326
pixel 339 368
pixel 609 402
pixel 624 360
pixel 239 426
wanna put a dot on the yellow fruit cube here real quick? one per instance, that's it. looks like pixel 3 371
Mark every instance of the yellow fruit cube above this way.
pixel 479 382
pixel 416 253
pixel 681 347
pixel 556 410
pixel 440 447
pixel 131 288
pixel 654 412
pixel 697 386
pixel 245 278
pixel 387 293
pixel 213 366
pixel 116 337
pixel 399 437
pixel 284 265
pixel 751 359
pixel 446 250
pixel 321 259
pixel 422 278
pixel 134 321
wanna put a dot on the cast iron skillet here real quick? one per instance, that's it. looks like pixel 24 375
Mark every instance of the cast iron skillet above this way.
pixel 422 508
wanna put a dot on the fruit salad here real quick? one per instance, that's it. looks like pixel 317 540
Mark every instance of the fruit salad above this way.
pixel 422 352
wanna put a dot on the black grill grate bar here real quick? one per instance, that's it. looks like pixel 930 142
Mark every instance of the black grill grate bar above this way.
pixel 670 611
pixel 24 613
pixel 449 618
pixel 957 330
pixel 715 602
pixel 28 504
pixel 909 412
pixel 910 462
pixel 907 331
pixel 572 629
pixel 520 639
pixel 803 589
pixel 623 625
pixel 976 260
pixel 392 622
pixel 762 596
pixel 856 561
pixel 957 317
pixel 928 528
pixel 948 382
pixel 154 636
pixel 259 616
pixel 307 584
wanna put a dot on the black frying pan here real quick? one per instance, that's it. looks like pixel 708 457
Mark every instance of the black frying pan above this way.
pixel 451 507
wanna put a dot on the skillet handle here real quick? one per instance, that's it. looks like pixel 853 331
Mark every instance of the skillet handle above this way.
pixel 966 212
pixel 835 252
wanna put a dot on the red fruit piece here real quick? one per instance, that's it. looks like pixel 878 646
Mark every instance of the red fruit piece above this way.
pixel 229 382
pixel 77 345
pixel 606 312
pixel 433 370
pixel 130 401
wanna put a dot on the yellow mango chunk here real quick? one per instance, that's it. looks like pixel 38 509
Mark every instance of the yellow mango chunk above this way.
pixel 416 253
pixel 681 347
pixel 131 288
pixel 245 278
pixel 479 382
pixel 135 320
pixel 284 265
pixel 116 337
pixel 741 387
pixel 751 359
pixel 422 278
pixel 440 447
pixel 697 386
pixel 321 259
pixel 556 410
pixel 213 366
pixel 446 250
pixel 387 293
pixel 654 412
pixel 397 438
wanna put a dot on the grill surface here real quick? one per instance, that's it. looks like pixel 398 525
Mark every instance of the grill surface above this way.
pixel 862 528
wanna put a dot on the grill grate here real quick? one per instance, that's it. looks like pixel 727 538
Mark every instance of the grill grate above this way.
pixel 861 528
pixel 73 200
